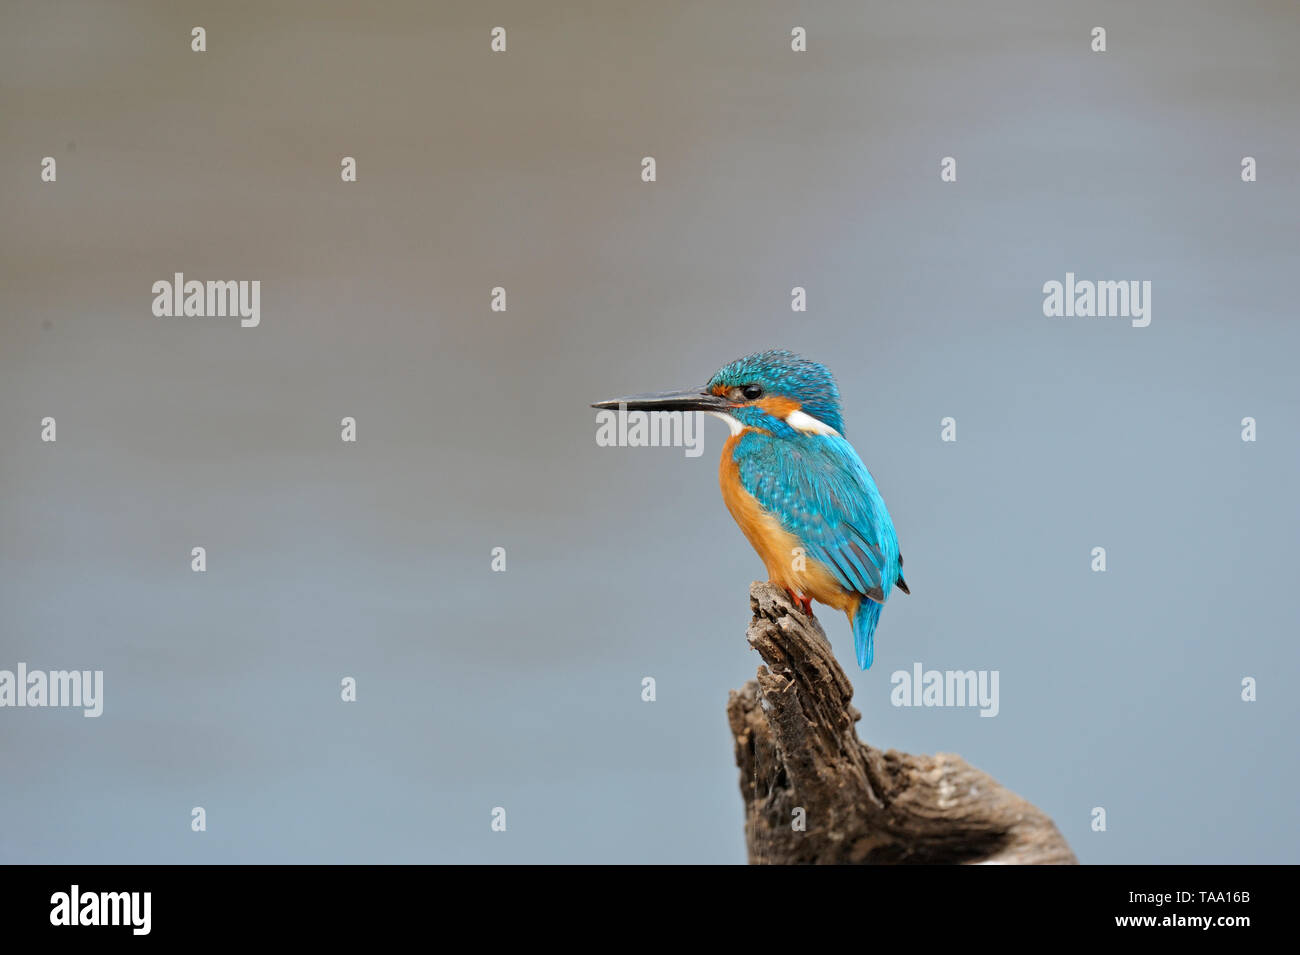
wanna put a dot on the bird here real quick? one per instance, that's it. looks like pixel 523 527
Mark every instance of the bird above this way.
pixel 796 486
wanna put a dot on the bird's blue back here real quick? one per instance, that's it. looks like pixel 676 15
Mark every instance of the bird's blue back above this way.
pixel 819 490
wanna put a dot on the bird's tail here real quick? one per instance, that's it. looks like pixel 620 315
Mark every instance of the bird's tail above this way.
pixel 865 619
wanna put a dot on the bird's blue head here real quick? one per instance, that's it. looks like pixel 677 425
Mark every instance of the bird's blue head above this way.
pixel 776 391
pixel 776 388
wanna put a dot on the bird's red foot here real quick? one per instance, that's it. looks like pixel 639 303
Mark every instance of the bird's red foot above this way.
pixel 804 603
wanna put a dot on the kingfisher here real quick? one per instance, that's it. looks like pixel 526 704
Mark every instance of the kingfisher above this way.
pixel 797 488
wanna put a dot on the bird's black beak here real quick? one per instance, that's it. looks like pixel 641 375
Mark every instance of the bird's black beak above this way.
pixel 690 400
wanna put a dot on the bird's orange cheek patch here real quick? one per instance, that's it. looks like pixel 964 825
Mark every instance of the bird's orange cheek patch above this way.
pixel 777 407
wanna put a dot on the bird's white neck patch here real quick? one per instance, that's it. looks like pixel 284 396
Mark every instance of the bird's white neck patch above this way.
pixel 735 424
pixel 802 421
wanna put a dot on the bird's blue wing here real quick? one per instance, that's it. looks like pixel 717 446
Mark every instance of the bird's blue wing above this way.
pixel 817 487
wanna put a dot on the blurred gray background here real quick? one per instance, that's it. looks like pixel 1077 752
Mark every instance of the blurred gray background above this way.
pixel 522 689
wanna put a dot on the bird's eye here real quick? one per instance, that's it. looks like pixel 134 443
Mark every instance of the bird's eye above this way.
pixel 751 391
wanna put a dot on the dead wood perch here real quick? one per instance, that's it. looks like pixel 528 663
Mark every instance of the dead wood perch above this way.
pixel 796 746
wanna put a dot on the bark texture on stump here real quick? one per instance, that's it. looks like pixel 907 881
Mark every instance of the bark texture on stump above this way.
pixel 797 747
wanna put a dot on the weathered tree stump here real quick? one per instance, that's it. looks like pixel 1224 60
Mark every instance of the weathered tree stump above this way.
pixel 797 747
